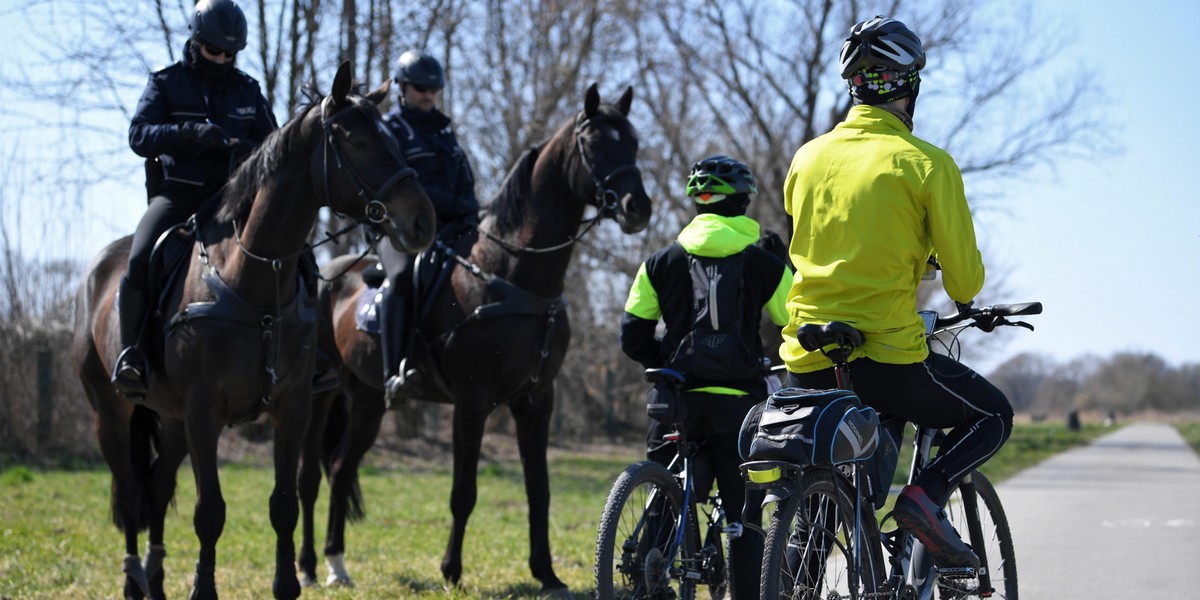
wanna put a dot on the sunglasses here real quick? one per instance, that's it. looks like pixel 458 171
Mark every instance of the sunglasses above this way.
pixel 215 51
pixel 425 89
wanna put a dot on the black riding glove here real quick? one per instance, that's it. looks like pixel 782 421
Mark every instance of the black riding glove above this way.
pixel 204 135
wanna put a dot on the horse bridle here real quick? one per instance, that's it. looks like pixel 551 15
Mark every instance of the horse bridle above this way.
pixel 606 200
pixel 375 210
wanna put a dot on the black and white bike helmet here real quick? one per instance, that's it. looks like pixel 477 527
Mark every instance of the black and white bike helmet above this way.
pixel 881 43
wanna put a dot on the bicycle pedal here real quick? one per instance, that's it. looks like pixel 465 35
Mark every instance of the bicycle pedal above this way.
pixel 732 531
pixel 957 573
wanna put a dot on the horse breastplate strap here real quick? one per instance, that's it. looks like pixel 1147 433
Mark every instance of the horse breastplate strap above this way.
pixel 512 301
pixel 228 306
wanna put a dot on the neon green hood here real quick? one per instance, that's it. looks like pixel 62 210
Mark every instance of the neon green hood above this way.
pixel 717 236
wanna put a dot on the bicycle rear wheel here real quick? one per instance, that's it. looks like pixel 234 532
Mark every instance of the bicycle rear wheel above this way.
pixel 817 547
pixel 636 549
pixel 992 541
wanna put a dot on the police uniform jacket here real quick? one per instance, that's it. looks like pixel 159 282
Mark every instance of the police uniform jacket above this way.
pixel 180 94
pixel 431 149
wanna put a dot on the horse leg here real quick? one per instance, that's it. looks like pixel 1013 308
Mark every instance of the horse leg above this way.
pixel 172 450
pixel 533 436
pixel 468 437
pixel 291 422
pixel 113 432
pixel 366 410
pixel 208 521
pixel 310 484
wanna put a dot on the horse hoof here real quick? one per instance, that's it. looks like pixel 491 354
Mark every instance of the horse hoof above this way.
pixel 338 575
pixel 339 582
pixel 308 582
pixel 561 593
pixel 133 569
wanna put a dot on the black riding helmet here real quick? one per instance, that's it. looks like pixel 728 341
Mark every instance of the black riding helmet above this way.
pixel 881 43
pixel 419 68
pixel 220 23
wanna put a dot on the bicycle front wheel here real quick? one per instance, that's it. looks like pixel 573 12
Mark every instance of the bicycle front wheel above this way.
pixel 640 548
pixel 991 540
pixel 818 546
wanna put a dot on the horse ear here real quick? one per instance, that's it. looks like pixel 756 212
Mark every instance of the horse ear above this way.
pixel 625 101
pixel 591 101
pixel 341 83
pixel 380 93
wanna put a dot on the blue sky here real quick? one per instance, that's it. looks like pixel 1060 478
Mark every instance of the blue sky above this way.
pixel 1110 246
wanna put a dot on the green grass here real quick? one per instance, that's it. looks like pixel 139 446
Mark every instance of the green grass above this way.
pixel 56 540
pixel 1190 432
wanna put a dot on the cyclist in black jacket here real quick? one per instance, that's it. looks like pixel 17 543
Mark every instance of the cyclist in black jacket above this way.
pixel 716 249
pixel 195 122
pixel 431 149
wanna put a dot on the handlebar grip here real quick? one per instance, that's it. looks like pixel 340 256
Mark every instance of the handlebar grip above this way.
pixel 664 375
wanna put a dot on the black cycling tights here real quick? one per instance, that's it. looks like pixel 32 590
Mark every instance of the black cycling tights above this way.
pixel 939 392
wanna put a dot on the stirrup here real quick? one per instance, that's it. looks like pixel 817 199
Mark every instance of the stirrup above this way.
pixel 129 373
pixel 407 384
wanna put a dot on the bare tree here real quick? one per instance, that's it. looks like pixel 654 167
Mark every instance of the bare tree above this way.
pixel 745 77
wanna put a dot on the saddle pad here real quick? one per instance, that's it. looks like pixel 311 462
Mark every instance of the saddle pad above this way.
pixel 366 312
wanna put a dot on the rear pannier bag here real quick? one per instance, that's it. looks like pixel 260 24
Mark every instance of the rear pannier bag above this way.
pixel 810 427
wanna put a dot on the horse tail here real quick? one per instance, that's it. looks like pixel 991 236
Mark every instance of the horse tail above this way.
pixel 143 443
pixel 336 425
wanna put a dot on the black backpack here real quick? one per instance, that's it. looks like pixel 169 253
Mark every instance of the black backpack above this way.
pixel 716 348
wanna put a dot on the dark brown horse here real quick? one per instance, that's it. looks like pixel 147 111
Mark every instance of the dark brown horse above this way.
pixel 238 330
pixel 497 333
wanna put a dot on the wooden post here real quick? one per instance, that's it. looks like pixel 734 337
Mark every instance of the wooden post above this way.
pixel 45 410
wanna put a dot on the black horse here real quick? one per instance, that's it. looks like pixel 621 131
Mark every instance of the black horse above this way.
pixel 496 334
pixel 238 332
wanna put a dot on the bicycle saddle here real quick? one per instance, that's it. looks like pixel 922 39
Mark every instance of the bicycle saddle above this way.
pixel 813 336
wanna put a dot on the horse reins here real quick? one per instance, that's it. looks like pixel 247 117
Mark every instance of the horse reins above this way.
pixel 606 199
pixel 375 212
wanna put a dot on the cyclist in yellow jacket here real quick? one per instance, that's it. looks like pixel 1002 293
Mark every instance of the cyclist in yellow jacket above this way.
pixel 871 203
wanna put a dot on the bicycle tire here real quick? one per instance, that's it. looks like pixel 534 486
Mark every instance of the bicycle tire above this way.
pixel 714 552
pixel 638 529
pixel 997 548
pixel 819 518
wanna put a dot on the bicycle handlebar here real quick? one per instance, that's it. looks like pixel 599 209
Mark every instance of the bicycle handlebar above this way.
pixel 990 317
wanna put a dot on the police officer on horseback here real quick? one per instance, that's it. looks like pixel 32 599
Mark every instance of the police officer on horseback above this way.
pixel 431 148
pixel 195 122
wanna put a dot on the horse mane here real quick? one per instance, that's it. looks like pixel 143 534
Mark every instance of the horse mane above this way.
pixel 238 194
pixel 509 202
pixel 237 197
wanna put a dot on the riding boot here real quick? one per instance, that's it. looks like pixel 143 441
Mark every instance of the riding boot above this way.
pixel 130 373
pixel 399 380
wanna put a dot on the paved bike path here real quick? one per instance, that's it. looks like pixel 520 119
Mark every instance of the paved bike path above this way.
pixel 1117 519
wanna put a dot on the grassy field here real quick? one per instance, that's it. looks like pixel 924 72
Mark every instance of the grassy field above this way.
pixel 56 540
pixel 1190 431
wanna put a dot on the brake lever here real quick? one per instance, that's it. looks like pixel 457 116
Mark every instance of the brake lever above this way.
pixel 1020 324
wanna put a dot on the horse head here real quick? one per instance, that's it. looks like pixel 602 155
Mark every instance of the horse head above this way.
pixel 607 145
pixel 362 171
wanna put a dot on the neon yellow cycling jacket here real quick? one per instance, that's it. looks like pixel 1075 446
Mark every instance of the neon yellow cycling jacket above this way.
pixel 870 203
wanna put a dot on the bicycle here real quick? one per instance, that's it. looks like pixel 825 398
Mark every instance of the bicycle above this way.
pixel 824 541
pixel 649 543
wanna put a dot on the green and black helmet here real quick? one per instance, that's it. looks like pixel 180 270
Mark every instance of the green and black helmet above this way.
pixel 220 23
pixel 717 177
